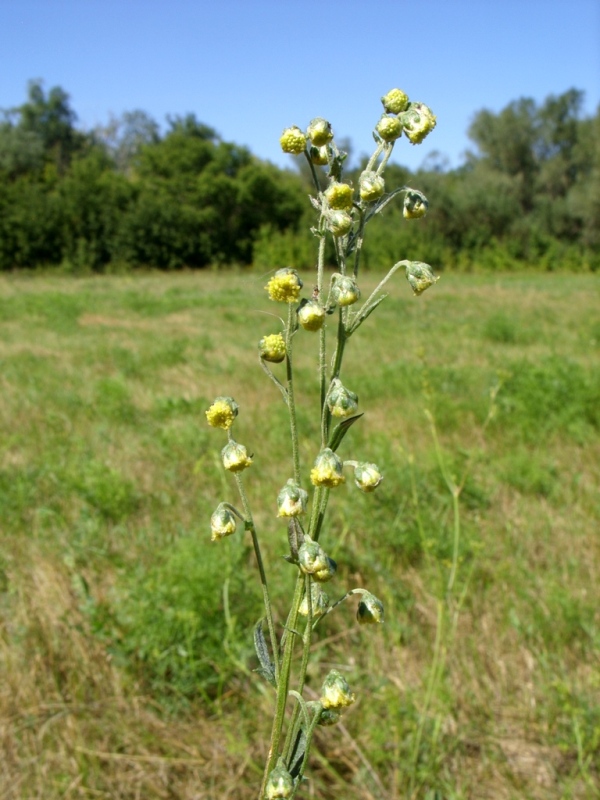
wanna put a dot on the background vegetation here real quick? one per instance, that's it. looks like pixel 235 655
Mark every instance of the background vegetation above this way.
pixel 125 649
pixel 129 195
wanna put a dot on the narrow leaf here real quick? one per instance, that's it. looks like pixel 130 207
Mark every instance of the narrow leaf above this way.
pixel 340 431
pixel 267 668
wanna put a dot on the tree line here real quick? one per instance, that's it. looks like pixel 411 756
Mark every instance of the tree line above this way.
pixel 126 195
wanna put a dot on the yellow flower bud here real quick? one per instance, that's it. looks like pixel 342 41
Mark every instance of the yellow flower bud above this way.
pixel 222 522
pixel 339 223
pixel 345 290
pixel 339 196
pixel 389 128
pixel 272 348
pixel 319 155
pixel 293 141
pixel 328 469
pixel 280 784
pixel 367 476
pixel 415 205
pixel 371 186
pixel 311 316
pixel 417 121
pixel 395 101
pixel 222 413
pixel 336 692
pixel 341 401
pixel 319 131
pixel 319 602
pixel 284 286
pixel 291 500
pixel 420 276
pixel 235 457
pixel 370 610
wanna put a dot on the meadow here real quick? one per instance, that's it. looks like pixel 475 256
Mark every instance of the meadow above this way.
pixel 126 655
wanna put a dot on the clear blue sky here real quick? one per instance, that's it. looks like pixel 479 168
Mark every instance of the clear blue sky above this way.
pixel 250 68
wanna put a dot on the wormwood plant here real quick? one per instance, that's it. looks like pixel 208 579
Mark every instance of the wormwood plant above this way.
pixel 333 311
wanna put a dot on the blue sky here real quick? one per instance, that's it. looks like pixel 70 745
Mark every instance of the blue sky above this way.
pixel 249 69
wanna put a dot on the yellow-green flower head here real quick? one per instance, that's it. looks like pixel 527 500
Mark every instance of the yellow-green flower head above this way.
pixel 272 348
pixel 336 692
pixel 370 610
pixel 420 276
pixel 389 128
pixel 319 131
pixel 328 469
pixel 341 401
pixel 319 155
pixel 329 716
pixel 339 196
pixel 222 413
pixel 311 316
pixel 319 602
pixel 284 286
pixel 280 784
pixel 367 476
pixel 345 290
pixel 222 522
pixel 327 573
pixel 293 141
pixel 417 121
pixel 339 223
pixel 235 457
pixel 415 205
pixel 291 500
pixel 371 186
pixel 395 101
pixel 311 556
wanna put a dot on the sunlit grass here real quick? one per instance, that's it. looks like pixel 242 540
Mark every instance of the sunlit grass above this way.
pixel 125 650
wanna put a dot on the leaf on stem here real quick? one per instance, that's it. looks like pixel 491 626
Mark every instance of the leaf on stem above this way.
pixel 267 668
pixel 340 431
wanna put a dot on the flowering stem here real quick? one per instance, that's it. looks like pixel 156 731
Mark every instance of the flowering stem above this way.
pixel 249 522
pixel 289 332
pixel 284 681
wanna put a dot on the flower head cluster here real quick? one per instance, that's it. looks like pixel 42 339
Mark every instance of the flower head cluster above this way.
pixel 222 522
pixel 341 401
pixel 222 413
pixel 420 276
pixel 291 500
pixel 284 286
pixel 272 348
pixel 328 469
pixel 367 476
pixel 416 120
pixel 311 315
pixel 235 457
pixel 293 141
pixel 335 693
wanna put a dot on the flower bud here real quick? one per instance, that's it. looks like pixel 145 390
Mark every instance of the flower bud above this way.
pixel 311 316
pixel 415 205
pixel 341 401
pixel 345 290
pixel 420 276
pixel 272 348
pixel 284 286
pixel 339 223
pixel 370 610
pixel 319 131
pixel 235 457
pixel 327 572
pixel 319 602
pixel 389 128
pixel 395 101
pixel 291 500
pixel 319 155
pixel 222 413
pixel 371 186
pixel 327 470
pixel 339 196
pixel 293 141
pixel 417 121
pixel 280 784
pixel 222 522
pixel 367 476
pixel 311 556
pixel 336 692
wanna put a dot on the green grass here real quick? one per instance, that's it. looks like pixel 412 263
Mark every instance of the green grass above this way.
pixel 125 639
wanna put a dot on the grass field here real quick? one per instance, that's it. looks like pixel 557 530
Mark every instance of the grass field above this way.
pixel 125 636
